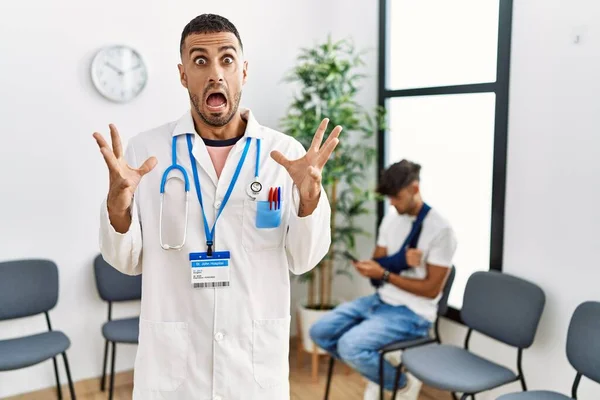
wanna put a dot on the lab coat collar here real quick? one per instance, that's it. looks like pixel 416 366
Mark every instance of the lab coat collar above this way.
pixel 186 124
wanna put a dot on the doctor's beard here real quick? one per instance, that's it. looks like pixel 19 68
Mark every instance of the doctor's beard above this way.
pixel 217 120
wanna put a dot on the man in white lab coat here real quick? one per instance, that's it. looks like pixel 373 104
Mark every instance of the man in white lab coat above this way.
pixel 215 309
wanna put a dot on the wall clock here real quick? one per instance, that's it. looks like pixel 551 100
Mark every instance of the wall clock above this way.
pixel 119 73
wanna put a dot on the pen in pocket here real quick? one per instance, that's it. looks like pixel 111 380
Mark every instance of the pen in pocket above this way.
pixel 279 197
pixel 275 198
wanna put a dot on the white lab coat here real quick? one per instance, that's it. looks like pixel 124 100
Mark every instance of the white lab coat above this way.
pixel 226 343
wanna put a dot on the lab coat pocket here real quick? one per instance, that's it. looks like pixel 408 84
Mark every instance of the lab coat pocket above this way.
pixel 161 362
pixel 270 349
pixel 267 217
pixel 263 228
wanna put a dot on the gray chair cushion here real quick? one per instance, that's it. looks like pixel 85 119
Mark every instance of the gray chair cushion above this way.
pixel 534 395
pixel 455 369
pixel 583 346
pixel 30 350
pixel 122 330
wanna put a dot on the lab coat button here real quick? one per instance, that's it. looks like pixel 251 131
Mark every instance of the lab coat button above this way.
pixel 217 205
pixel 218 398
pixel 219 336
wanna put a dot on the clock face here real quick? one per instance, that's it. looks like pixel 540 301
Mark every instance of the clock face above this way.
pixel 119 73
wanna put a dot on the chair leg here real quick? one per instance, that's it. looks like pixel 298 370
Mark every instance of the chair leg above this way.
pixel 300 354
pixel 112 370
pixel 329 377
pixel 58 389
pixel 299 342
pixel 396 380
pixel 381 377
pixel 71 388
pixel 315 364
pixel 103 380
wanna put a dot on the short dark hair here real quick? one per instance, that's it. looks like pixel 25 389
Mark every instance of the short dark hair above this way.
pixel 397 177
pixel 208 23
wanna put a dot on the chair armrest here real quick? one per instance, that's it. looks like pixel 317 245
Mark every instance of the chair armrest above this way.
pixel 406 344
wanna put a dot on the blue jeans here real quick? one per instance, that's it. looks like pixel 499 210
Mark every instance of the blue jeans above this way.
pixel 355 331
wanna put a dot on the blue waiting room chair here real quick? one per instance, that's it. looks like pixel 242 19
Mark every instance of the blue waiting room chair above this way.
pixel 28 288
pixel 114 286
pixel 583 352
pixel 498 305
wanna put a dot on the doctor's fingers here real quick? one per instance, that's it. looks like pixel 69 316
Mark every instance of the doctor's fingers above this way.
pixel 116 141
pixel 100 140
pixel 318 138
pixel 111 161
pixel 328 148
pixel 315 174
pixel 280 159
pixel 147 166
pixel 104 146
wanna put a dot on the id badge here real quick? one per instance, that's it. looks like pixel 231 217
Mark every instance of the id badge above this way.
pixel 210 272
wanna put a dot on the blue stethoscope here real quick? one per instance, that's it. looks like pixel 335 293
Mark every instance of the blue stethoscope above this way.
pixel 253 190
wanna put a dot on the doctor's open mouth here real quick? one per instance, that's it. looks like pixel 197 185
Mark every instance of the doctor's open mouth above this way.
pixel 216 101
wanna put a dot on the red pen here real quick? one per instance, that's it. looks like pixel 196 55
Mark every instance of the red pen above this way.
pixel 270 197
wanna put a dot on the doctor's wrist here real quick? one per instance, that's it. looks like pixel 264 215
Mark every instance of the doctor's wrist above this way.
pixel 307 207
pixel 120 220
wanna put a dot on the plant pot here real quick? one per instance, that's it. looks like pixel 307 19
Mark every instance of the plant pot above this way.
pixel 306 318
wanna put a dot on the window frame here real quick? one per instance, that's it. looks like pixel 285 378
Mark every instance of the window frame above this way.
pixel 500 88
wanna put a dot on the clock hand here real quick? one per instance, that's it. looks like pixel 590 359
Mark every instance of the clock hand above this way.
pixel 134 68
pixel 114 68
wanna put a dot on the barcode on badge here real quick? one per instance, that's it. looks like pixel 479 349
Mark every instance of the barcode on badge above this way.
pixel 210 284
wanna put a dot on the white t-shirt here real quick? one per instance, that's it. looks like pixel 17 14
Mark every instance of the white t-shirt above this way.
pixel 438 244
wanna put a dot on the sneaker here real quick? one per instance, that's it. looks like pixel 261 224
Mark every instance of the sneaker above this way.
pixel 372 391
pixel 394 357
pixel 411 390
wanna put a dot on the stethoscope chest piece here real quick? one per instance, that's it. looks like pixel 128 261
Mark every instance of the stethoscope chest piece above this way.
pixel 254 189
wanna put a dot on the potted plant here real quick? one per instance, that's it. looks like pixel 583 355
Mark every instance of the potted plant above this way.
pixel 327 77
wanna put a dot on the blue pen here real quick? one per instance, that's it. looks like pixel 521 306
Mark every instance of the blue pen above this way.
pixel 279 197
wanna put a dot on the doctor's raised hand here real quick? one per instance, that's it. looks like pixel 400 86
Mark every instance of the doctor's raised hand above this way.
pixel 306 171
pixel 123 179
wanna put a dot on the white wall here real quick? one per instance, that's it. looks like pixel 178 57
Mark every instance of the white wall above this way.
pixel 53 175
pixel 552 220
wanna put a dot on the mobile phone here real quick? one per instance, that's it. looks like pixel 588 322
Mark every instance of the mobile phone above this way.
pixel 350 256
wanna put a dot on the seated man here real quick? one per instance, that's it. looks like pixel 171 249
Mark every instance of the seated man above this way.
pixel 405 303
